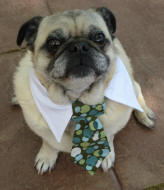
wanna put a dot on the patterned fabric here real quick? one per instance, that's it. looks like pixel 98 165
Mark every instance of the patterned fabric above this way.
pixel 90 145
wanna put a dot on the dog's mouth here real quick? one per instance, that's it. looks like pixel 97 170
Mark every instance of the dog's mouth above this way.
pixel 91 64
pixel 78 72
pixel 81 71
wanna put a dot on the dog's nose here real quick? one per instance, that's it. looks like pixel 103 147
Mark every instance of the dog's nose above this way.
pixel 78 47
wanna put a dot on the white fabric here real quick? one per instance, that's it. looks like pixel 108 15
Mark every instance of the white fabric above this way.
pixel 120 89
pixel 56 116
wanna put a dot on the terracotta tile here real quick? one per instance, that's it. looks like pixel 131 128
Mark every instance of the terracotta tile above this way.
pixel 139 152
pixel 13 14
pixel 58 5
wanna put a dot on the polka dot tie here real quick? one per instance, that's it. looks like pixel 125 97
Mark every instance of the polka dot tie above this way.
pixel 90 145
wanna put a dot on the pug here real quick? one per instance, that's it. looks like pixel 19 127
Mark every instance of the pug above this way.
pixel 73 54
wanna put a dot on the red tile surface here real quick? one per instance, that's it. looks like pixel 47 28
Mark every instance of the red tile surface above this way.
pixel 139 152
pixel 13 14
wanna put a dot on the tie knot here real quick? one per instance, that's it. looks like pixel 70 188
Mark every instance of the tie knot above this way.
pixel 82 111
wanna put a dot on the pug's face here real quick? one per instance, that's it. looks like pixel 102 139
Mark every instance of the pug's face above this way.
pixel 72 48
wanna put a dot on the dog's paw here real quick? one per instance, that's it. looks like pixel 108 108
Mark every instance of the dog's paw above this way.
pixel 146 118
pixel 108 162
pixel 150 114
pixel 45 162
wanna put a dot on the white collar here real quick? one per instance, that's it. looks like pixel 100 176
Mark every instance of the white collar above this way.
pixel 120 89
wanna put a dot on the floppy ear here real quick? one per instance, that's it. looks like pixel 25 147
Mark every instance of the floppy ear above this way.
pixel 28 31
pixel 109 18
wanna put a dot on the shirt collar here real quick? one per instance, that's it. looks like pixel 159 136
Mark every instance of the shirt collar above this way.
pixel 120 89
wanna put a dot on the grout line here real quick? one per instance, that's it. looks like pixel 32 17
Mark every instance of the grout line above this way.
pixel 117 178
pixel 145 65
pixel 13 144
pixel 48 7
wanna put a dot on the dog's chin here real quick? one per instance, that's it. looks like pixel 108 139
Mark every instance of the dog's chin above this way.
pixel 79 79
pixel 81 71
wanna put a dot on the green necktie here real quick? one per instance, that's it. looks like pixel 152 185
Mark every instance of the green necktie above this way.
pixel 90 145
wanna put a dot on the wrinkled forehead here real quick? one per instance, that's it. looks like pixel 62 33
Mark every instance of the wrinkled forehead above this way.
pixel 71 24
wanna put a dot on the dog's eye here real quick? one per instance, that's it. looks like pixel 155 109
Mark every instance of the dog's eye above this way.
pixel 53 43
pixel 98 37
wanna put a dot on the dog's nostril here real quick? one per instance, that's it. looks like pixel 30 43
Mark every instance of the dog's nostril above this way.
pixel 85 47
pixel 73 48
pixel 79 47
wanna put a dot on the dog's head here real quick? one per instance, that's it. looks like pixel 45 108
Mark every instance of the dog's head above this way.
pixel 73 48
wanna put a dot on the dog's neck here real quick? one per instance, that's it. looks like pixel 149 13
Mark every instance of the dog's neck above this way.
pixel 91 94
